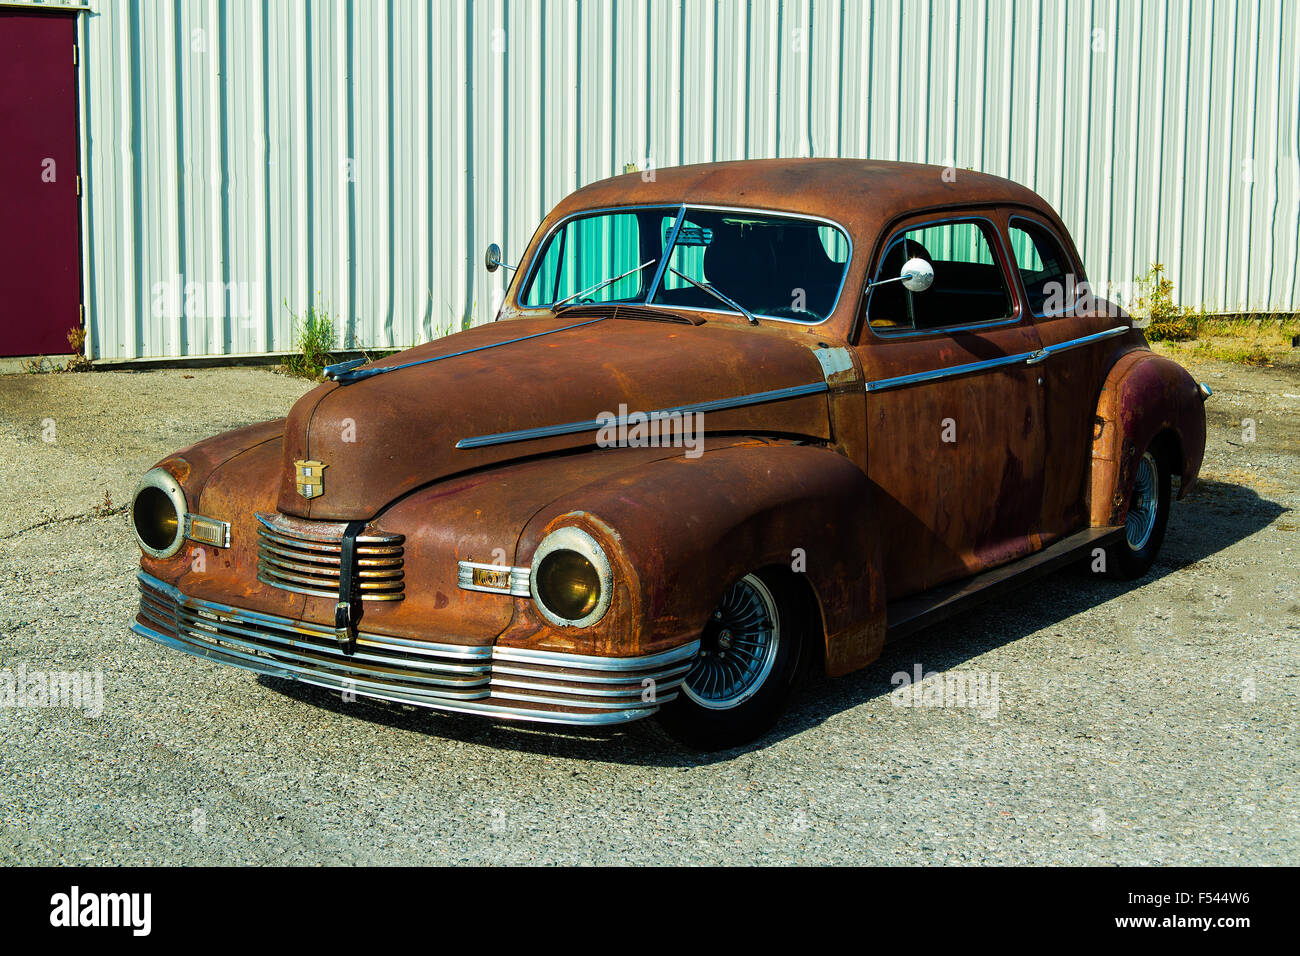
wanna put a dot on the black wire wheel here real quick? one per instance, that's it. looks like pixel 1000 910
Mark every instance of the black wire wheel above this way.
pixel 750 653
pixel 738 647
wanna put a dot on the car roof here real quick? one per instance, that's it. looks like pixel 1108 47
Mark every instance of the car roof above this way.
pixel 862 194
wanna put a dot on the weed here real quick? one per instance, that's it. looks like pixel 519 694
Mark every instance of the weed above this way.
pixel 316 337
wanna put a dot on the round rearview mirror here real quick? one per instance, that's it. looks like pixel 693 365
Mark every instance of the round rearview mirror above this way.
pixel 917 275
pixel 492 258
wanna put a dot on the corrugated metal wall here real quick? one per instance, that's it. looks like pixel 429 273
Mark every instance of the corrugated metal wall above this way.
pixel 244 160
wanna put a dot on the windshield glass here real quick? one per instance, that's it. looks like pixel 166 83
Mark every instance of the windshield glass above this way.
pixel 776 266
pixel 588 251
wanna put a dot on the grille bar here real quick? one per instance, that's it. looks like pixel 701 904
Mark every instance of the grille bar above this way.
pixel 304 557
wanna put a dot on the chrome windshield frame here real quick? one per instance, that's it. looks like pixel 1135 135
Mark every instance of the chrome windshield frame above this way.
pixel 529 271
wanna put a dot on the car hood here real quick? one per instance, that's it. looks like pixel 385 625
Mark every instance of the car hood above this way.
pixel 381 437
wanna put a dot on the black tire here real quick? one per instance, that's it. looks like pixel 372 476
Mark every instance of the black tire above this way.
pixel 704 715
pixel 1144 530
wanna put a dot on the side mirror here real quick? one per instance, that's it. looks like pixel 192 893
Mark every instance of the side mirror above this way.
pixel 492 259
pixel 917 275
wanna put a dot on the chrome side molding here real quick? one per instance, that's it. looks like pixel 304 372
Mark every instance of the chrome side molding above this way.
pixel 570 428
pixel 1044 354
pixel 1028 358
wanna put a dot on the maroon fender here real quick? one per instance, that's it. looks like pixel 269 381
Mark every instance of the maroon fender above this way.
pixel 1145 397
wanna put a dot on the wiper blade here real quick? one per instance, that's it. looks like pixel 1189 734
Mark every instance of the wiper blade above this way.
pixel 600 285
pixel 717 295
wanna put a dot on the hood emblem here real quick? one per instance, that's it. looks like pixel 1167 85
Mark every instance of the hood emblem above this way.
pixel 311 480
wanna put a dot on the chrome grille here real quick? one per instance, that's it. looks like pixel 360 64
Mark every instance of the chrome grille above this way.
pixel 304 556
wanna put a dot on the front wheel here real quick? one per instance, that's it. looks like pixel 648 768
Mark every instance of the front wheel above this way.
pixel 1144 528
pixel 750 654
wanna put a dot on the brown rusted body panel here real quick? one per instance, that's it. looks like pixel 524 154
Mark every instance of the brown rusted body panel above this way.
pixel 858 483
pixel 386 436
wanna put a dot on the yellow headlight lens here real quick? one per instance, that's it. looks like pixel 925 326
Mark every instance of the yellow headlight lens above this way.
pixel 568 584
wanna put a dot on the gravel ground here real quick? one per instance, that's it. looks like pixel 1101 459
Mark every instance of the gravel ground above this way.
pixel 1140 724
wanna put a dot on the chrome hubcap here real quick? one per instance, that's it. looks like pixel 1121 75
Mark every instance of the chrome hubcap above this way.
pixel 737 649
pixel 1144 504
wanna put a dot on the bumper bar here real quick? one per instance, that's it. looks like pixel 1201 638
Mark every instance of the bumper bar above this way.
pixel 502 682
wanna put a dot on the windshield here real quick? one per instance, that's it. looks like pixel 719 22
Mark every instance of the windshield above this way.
pixel 776 266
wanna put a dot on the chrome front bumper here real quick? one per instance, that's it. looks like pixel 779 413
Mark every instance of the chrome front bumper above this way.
pixel 505 682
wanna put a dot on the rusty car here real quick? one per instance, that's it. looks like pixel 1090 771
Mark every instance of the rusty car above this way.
pixel 732 421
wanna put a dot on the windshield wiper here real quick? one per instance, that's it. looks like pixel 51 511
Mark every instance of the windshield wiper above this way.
pixel 600 285
pixel 717 295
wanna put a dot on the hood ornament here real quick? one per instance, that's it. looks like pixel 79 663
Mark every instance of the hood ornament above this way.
pixel 311 478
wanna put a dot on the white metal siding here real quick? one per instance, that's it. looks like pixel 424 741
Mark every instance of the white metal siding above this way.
pixel 222 138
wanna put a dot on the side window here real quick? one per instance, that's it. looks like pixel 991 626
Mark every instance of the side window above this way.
pixel 1044 268
pixel 969 286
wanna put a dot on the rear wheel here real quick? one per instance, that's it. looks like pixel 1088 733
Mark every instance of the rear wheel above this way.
pixel 1144 528
pixel 750 653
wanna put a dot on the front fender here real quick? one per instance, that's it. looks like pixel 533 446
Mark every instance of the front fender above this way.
pixel 679 531
pixel 1145 395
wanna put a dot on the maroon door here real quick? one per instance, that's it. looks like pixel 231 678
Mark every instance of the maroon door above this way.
pixel 40 269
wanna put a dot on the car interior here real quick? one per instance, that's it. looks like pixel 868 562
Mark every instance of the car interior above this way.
pixel 761 265
pixel 964 292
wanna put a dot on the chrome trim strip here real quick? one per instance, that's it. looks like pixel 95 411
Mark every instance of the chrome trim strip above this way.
pixel 1028 358
pixel 615 706
pixel 596 678
pixel 844 278
pixel 525 655
pixel 1047 352
pixel 519 577
pixel 880 384
pixel 356 374
pixel 668 680
pixel 717 404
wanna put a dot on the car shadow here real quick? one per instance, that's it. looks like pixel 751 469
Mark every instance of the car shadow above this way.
pixel 1215 517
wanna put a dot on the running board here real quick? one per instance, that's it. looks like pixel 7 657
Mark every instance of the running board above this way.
pixel 930 607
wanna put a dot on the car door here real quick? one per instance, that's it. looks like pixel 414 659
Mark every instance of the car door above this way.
pixel 1081 337
pixel 955 415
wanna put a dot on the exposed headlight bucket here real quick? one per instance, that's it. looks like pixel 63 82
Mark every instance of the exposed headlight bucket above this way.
pixel 571 579
pixel 158 514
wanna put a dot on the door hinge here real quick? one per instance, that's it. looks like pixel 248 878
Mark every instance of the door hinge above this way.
pixel 78 183
pixel 74 54
pixel 81 313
